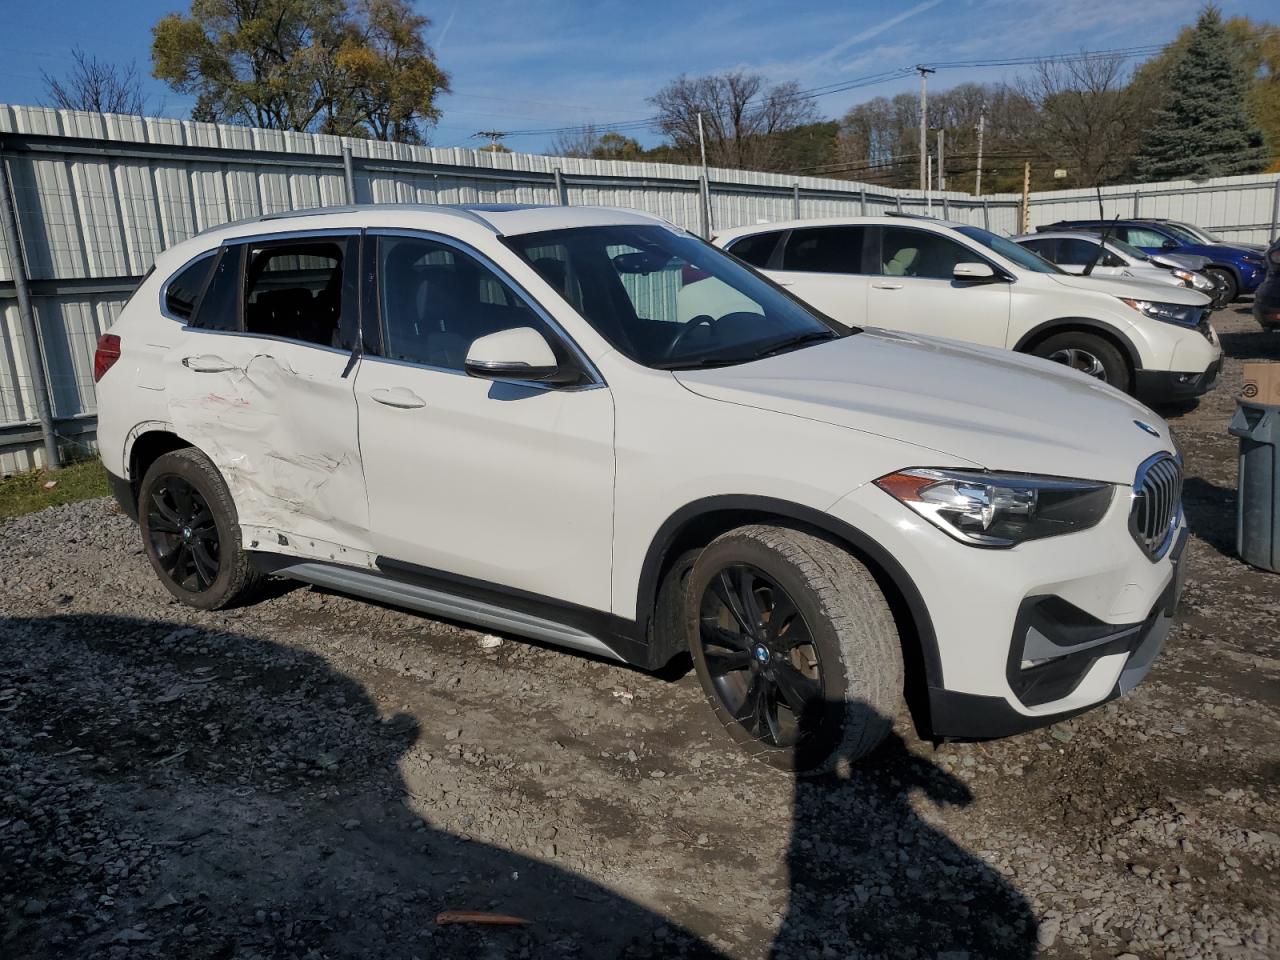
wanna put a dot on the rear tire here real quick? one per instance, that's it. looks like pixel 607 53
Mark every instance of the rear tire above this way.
pixel 191 532
pixel 1088 353
pixel 1227 281
pixel 813 637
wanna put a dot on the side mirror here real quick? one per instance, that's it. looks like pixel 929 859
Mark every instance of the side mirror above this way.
pixel 969 272
pixel 520 353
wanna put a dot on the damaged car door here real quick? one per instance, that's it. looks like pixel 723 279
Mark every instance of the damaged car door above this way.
pixel 262 381
pixel 506 483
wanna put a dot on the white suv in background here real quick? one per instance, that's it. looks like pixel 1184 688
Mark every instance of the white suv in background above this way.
pixel 499 415
pixel 927 276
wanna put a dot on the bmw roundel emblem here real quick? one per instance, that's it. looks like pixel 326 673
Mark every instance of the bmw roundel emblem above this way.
pixel 1146 427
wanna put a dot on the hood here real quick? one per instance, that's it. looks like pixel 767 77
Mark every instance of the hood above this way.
pixel 1132 288
pixel 1187 261
pixel 990 408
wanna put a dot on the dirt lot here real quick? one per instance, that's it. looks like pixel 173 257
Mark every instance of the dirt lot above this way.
pixel 316 776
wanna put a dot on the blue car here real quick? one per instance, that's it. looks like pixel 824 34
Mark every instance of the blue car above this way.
pixel 1239 267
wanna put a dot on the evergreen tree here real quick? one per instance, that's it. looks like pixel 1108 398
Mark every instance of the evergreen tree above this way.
pixel 1204 129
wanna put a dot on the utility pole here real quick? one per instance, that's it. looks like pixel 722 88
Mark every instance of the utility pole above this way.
pixel 494 137
pixel 924 123
pixel 942 162
pixel 706 180
pixel 977 185
pixel 1026 197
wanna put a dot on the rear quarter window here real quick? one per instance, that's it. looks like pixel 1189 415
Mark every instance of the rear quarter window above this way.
pixel 185 287
pixel 756 249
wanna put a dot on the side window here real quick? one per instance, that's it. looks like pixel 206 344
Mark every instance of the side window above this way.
pixel 755 250
pixel 1142 237
pixel 294 290
pixel 218 307
pixel 436 300
pixel 919 253
pixel 824 250
pixel 1075 251
pixel 184 289
pixel 1043 247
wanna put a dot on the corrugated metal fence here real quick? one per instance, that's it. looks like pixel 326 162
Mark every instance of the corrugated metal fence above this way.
pixel 99 195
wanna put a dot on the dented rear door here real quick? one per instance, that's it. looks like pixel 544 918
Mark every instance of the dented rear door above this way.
pixel 262 382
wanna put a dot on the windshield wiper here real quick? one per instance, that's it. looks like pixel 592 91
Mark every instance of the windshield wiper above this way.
pixel 791 343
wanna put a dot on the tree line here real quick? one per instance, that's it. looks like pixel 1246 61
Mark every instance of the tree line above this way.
pixel 1207 105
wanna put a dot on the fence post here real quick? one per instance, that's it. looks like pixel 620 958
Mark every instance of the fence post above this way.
pixel 704 193
pixel 30 331
pixel 349 175
pixel 946 208
pixel 862 202
pixel 1135 205
pixel 562 197
pixel 986 214
pixel 1275 211
pixel 899 199
pixel 795 201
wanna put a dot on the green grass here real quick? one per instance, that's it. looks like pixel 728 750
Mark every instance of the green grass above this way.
pixel 25 492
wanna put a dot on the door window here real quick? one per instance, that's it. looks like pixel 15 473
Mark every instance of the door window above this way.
pixel 756 250
pixel 824 250
pixel 294 290
pixel 1142 237
pixel 1042 246
pixel 920 253
pixel 435 300
pixel 1075 251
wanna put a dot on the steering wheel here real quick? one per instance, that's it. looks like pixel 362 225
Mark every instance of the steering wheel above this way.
pixel 701 320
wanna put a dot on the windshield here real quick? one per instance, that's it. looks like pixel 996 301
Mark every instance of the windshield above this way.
pixel 1127 249
pixel 1189 233
pixel 1010 250
pixel 668 300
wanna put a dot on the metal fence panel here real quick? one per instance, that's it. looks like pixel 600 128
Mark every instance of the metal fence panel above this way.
pixel 99 195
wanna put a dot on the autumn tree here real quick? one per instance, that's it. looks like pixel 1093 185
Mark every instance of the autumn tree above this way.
pixel 96 85
pixel 588 141
pixel 348 67
pixel 741 114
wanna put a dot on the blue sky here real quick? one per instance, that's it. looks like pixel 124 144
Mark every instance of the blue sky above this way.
pixel 530 65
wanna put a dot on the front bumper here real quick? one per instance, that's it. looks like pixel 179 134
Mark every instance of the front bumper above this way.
pixel 1055 647
pixel 1169 386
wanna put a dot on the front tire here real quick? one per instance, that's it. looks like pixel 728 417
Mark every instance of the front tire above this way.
pixel 1088 353
pixel 191 532
pixel 1226 281
pixel 795 647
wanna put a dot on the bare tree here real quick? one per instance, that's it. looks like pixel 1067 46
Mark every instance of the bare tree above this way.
pixel 576 141
pixel 97 85
pixel 741 116
pixel 1089 116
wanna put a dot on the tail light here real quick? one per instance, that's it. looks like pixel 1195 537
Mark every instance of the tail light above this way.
pixel 105 357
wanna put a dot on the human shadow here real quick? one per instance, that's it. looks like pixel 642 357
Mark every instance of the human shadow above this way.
pixel 870 877
pixel 167 791
pixel 171 790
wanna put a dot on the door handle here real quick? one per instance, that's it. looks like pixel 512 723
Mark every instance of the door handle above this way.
pixel 207 363
pixel 400 397
pixel 784 283
pixel 887 286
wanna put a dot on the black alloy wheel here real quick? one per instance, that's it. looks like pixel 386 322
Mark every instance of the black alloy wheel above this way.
pixel 763 663
pixel 184 534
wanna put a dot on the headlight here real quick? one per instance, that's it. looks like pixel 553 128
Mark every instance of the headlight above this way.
pixel 999 509
pixel 1168 312
pixel 1186 276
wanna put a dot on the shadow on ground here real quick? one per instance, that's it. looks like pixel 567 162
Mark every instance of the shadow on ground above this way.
pixel 169 790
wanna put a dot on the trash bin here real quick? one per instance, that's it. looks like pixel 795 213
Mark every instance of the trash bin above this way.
pixel 1258 497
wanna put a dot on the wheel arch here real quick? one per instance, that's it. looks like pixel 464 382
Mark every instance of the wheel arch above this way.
pixel 1043 331
pixel 698 523
pixel 145 444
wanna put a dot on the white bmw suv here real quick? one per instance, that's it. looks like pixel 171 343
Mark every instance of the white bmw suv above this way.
pixel 499 415
pixel 922 275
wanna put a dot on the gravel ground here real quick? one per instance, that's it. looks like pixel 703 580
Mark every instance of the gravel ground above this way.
pixel 316 776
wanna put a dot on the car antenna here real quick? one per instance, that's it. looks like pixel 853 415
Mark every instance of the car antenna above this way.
pixel 1102 243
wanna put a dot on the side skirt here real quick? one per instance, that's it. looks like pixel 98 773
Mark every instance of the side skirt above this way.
pixel 435 595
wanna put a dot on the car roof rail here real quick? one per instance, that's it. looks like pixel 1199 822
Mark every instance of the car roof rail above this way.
pixel 912 216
